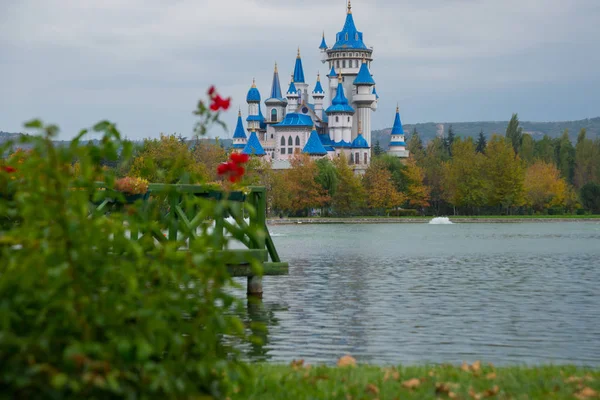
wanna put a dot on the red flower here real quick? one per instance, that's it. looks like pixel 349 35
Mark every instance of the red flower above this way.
pixel 219 103
pixel 9 169
pixel 211 90
pixel 239 158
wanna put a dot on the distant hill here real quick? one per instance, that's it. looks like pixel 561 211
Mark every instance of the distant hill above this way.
pixel 430 130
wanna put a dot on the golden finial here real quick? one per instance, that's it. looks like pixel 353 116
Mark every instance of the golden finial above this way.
pixel 276 67
pixel 298 51
pixel 253 82
pixel 292 79
pixel 323 34
pixel 349 7
pixel 240 112
pixel 340 79
pixel 318 77
pixel 364 60
pixel 397 108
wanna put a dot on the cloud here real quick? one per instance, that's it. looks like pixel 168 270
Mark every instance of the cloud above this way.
pixel 145 63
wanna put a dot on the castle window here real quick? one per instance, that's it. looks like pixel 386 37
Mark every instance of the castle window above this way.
pixel 290 151
pixel 366 158
pixel 344 64
pixel 357 158
pixel 283 150
pixel 290 141
pixel 355 54
pixel 337 119
pixel 297 140
pixel 351 161
pixel 348 119
pixel 282 141
pixel 271 136
pixel 274 115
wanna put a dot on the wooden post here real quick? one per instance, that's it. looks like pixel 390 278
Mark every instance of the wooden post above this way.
pixel 258 221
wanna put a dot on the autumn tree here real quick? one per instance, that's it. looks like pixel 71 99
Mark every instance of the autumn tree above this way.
pixel 396 168
pixel 527 153
pixel 587 161
pixel 514 133
pixel 505 175
pixel 381 191
pixel 463 181
pixel 415 146
pixel 450 140
pixel 566 157
pixel 416 193
pixel 210 155
pixel 306 192
pixel 350 196
pixel 167 160
pixel 432 164
pixel 544 187
pixel 544 150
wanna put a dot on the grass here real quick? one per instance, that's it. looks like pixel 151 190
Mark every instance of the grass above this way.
pixel 566 216
pixel 476 381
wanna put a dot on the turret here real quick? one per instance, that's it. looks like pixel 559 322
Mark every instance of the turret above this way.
pixel 301 85
pixel 314 147
pixel 397 143
pixel 318 96
pixel 323 48
pixel 253 100
pixel 340 117
pixel 292 98
pixel 361 151
pixel 253 147
pixel 374 105
pixel 239 135
pixel 276 103
pixel 333 83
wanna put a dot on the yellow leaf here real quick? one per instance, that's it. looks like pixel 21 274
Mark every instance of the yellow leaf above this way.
pixel 347 361
pixel 491 392
pixel 586 393
pixel 411 383
pixel 372 389
pixel 491 375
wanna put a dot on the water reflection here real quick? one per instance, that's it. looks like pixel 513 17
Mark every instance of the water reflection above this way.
pixel 414 294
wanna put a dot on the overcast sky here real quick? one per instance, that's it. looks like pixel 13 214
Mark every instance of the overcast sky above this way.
pixel 145 63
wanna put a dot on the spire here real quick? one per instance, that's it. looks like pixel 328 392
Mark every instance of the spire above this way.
pixel 314 146
pixel 364 75
pixel 332 73
pixel 340 102
pixel 253 147
pixel 349 37
pixel 318 87
pixel 240 132
pixel 298 70
pixel 349 7
pixel 292 89
pixel 397 129
pixel 323 45
pixel 276 86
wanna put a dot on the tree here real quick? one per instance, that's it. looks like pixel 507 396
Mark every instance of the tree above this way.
pixel 528 149
pixel 505 175
pixel 590 197
pixel 415 146
pixel 587 161
pixel 514 133
pixel 481 143
pixel 350 195
pixel 396 168
pixel 327 178
pixel 381 192
pixel 463 181
pixel 450 140
pixel 544 187
pixel 544 150
pixel 566 157
pixel 417 193
pixel 377 150
pixel 306 192
pixel 210 155
pixel 432 164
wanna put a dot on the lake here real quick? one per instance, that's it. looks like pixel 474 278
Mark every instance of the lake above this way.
pixel 414 294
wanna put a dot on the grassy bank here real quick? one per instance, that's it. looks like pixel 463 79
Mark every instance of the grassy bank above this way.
pixel 477 381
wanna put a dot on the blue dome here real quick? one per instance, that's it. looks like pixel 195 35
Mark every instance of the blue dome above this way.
pixel 360 142
pixel 253 94
pixel 364 76
pixel 340 102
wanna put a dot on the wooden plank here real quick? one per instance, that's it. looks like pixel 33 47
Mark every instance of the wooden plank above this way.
pixel 269 269
pixel 246 256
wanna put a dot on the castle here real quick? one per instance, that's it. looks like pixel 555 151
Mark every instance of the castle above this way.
pixel 295 123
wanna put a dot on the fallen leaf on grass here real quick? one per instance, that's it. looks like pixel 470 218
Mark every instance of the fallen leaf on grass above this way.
pixel 372 389
pixel 295 364
pixel 476 367
pixel 411 383
pixel 346 361
pixel 491 375
pixel 391 373
pixel 491 392
pixel 465 367
pixel 586 393
pixel 574 379
pixel 474 395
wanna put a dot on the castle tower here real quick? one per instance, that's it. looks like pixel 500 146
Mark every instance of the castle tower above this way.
pixel 361 150
pixel 364 99
pixel 397 143
pixel 239 135
pixel 340 115
pixel 292 98
pixel 333 83
pixel 253 100
pixel 323 48
pixel 318 96
pixel 275 104
pixel 301 85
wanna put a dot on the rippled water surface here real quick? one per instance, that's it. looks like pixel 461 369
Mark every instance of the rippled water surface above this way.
pixel 413 294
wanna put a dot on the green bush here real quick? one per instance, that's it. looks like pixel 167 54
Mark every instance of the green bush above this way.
pixel 88 313
pixel 404 213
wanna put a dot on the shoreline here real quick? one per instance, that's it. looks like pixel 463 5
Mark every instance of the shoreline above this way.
pixel 423 220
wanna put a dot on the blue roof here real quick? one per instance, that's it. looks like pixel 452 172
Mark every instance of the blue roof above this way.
pixel 292 88
pixel 253 94
pixel 298 70
pixel 325 139
pixel 340 102
pixel 349 37
pixel 240 132
pixel 329 148
pixel 318 87
pixel 254 118
pixel 342 143
pixel 263 124
pixel 323 45
pixel 397 144
pixel 397 128
pixel 364 76
pixel 332 73
pixel 375 93
pixel 314 145
pixel 253 147
pixel 360 142
pixel 295 119
pixel 276 86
